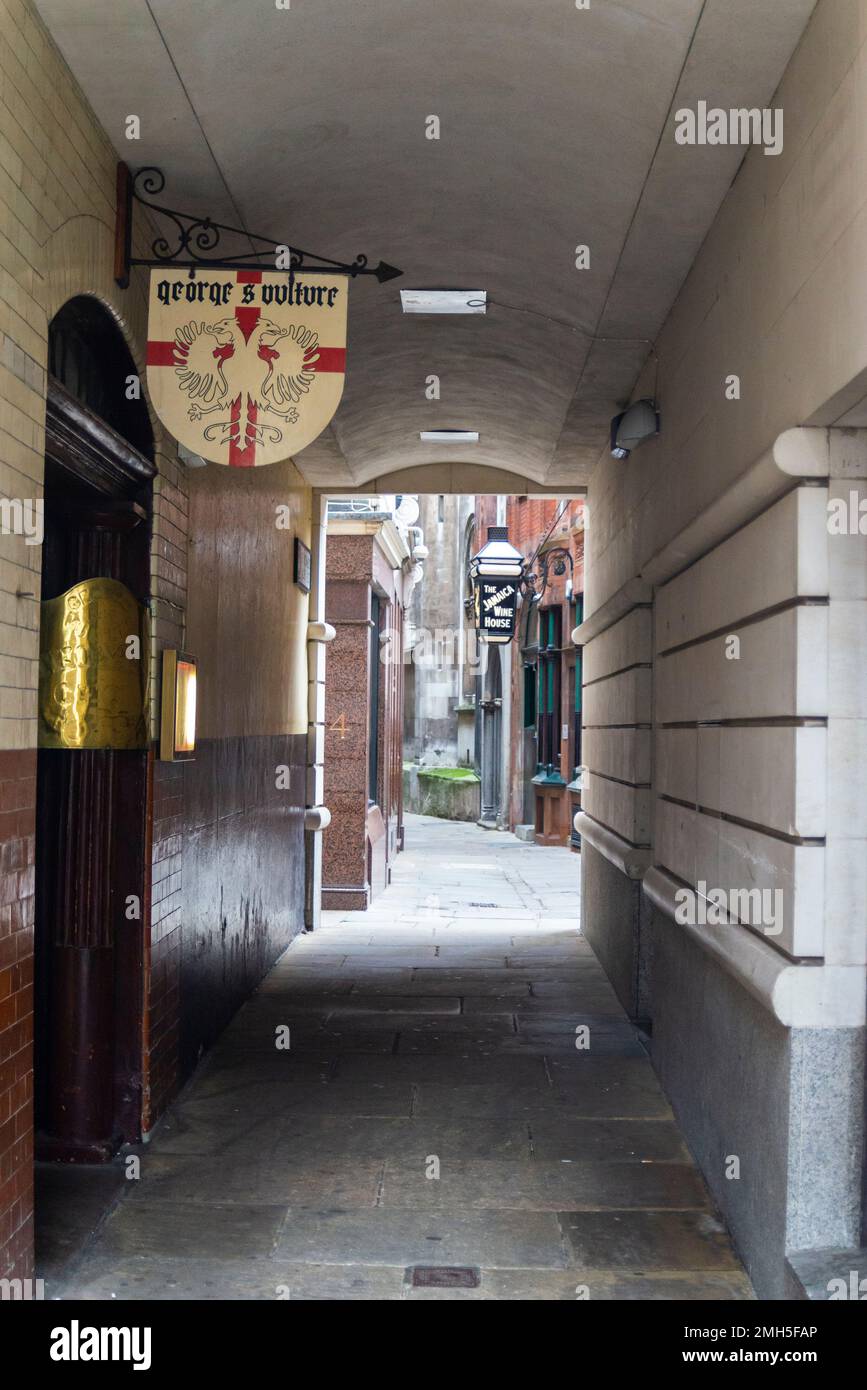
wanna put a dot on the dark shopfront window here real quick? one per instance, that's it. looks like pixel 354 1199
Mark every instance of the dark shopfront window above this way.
pixel 529 695
pixel 577 702
pixel 548 697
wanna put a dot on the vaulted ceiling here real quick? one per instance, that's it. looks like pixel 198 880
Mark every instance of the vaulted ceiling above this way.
pixel 556 129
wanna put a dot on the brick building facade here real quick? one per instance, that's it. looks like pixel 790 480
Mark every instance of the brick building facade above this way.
pixel 546 668
pixel 368 583
pixel 529 692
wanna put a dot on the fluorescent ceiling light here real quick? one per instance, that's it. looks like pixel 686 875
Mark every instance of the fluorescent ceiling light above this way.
pixel 444 301
pixel 449 436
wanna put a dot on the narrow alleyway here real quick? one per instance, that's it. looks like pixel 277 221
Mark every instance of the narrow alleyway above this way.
pixel 432 1110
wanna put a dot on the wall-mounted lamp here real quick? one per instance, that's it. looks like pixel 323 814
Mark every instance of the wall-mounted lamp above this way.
pixel 639 422
pixel 178 707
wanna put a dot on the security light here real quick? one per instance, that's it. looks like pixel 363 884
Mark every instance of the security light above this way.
pixel 449 436
pixel 444 301
pixel 639 422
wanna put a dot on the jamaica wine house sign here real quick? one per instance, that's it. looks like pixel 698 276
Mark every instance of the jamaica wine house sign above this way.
pixel 246 367
pixel 496 573
pixel 496 608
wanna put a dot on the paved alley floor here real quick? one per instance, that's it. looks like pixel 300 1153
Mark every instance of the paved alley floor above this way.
pixel 432 1110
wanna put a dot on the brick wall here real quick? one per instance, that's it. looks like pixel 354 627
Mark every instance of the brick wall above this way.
pixel 17 842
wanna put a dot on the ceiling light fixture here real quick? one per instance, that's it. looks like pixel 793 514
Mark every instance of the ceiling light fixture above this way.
pixel 444 301
pixel 449 436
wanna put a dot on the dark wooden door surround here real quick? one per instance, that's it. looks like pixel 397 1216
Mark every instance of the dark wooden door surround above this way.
pixel 92 820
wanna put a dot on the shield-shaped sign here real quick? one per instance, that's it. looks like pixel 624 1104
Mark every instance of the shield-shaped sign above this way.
pixel 246 367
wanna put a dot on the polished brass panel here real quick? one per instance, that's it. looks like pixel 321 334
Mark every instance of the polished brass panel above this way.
pixel 92 686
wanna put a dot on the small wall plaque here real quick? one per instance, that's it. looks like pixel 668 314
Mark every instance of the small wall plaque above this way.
pixel 302 567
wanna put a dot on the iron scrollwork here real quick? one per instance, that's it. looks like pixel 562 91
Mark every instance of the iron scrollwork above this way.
pixel 198 240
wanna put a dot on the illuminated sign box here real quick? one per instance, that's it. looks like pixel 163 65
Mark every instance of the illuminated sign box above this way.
pixel 178 722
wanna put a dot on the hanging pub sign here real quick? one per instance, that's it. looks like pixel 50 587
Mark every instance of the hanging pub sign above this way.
pixel 496 574
pixel 496 609
pixel 245 367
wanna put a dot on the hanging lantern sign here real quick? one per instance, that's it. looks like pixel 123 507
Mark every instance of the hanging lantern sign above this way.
pixel 246 367
pixel 496 574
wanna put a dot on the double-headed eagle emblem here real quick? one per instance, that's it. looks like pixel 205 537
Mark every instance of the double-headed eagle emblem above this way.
pixel 216 362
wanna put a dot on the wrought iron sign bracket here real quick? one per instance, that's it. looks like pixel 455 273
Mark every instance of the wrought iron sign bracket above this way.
pixel 561 555
pixel 197 240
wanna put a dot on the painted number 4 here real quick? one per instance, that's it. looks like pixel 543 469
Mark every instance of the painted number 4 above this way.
pixel 339 727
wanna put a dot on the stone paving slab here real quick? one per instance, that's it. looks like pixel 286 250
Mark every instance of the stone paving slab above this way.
pixel 501 987
pixel 275 1177
pixel 563 1137
pixel 323 1138
pixel 547 1025
pixel 312 1035
pixel 191 1229
pixel 231 1069
pixel 138 1277
pixel 648 1241
pixel 499 1239
pixel 601 1044
pixel 277 1098
pixel 579 1285
pixel 450 1070
pixel 592 999
pixel 585 1098
pixel 396 1004
pixel 544 1186
pixel 372 1017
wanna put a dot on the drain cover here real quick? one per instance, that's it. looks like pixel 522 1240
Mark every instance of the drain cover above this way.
pixel 444 1277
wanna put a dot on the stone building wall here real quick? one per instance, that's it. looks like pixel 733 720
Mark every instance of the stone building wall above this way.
pixel 724 699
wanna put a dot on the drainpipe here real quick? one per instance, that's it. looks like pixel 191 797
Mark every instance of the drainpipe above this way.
pixel 317 817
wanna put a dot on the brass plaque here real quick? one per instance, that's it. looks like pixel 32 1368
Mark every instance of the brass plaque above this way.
pixel 93 653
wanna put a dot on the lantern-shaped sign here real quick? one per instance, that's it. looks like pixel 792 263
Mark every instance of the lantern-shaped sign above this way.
pixel 496 573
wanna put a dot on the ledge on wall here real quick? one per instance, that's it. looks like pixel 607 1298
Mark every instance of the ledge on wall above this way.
pixel 631 860
pixel 635 593
pixel 798 994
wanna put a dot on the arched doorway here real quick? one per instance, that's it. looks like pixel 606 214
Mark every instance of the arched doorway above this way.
pixel 91 842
